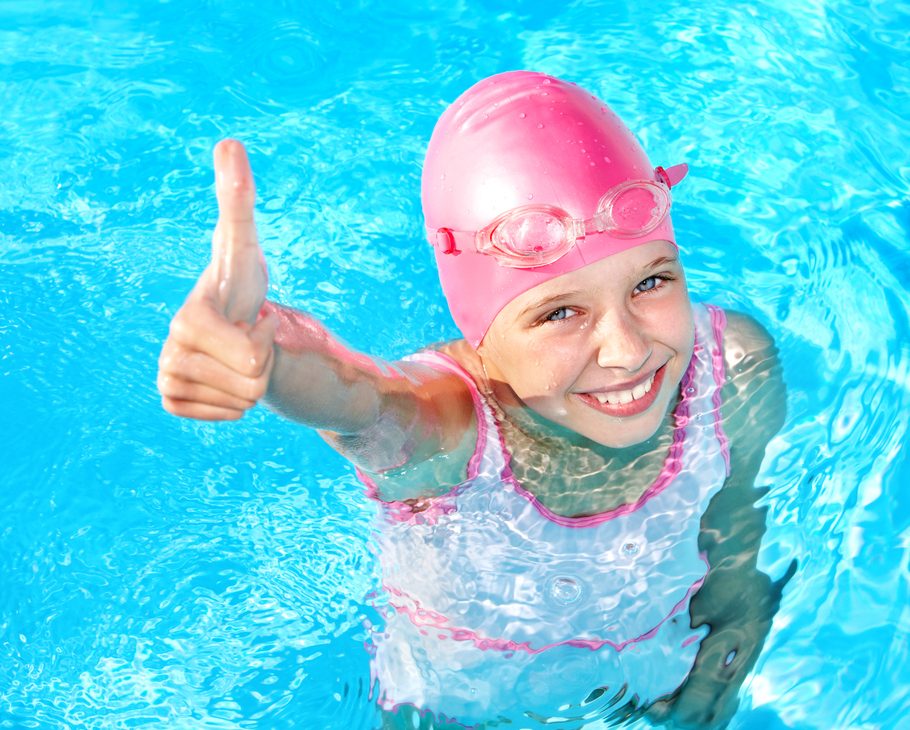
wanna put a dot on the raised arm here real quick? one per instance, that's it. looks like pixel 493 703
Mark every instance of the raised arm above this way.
pixel 228 348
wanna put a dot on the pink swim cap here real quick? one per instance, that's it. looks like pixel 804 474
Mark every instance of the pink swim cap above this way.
pixel 518 139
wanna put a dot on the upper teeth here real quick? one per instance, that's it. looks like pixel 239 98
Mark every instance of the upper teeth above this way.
pixel 620 397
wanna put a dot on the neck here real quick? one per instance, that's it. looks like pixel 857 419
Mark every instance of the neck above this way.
pixel 570 473
pixel 547 435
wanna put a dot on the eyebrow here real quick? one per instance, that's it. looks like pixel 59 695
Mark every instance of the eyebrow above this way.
pixel 660 261
pixel 558 298
pixel 548 302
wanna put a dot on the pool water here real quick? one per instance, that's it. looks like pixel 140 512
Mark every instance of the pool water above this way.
pixel 166 573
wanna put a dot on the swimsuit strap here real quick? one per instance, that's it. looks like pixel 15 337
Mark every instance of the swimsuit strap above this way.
pixel 488 446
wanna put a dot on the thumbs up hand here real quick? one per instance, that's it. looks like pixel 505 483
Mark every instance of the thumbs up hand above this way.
pixel 218 356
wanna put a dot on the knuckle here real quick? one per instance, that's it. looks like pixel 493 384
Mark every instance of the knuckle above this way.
pixel 257 390
pixel 186 323
pixel 171 406
pixel 166 358
pixel 164 384
pixel 179 327
pixel 250 392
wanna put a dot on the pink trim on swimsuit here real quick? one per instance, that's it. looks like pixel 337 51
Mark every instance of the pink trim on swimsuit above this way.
pixel 718 326
pixel 426 618
pixel 434 357
pixel 669 471
pixel 428 509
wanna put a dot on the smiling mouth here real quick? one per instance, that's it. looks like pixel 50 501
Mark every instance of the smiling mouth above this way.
pixel 627 402
pixel 621 397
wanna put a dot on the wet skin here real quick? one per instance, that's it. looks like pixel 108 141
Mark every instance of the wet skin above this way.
pixel 619 330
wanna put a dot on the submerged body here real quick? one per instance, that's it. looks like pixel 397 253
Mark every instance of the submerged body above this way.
pixel 587 582
pixel 491 592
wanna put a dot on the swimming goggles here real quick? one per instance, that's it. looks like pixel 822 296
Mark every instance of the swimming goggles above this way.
pixel 537 235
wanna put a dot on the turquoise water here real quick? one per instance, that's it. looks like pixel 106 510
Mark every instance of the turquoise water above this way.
pixel 162 573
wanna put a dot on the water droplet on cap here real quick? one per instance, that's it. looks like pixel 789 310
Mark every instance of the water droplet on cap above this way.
pixel 522 115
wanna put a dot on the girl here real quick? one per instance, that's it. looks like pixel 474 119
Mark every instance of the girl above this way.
pixel 567 495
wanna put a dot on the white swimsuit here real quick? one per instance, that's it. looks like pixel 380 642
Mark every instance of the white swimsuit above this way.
pixel 498 607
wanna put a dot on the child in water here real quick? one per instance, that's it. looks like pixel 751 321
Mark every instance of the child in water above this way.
pixel 567 494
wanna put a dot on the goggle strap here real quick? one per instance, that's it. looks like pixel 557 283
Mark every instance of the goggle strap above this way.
pixel 672 175
pixel 445 241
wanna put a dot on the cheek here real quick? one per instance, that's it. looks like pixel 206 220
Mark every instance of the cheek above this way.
pixel 675 318
pixel 548 368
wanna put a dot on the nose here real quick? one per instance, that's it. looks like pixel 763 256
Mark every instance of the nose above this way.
pixel 622 342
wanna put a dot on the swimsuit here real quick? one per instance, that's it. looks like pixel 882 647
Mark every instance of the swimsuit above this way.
pixel 497 607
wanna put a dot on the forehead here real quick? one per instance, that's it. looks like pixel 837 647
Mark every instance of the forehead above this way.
pixel 611 272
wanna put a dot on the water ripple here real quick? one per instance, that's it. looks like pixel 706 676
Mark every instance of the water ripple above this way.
pixel 158 572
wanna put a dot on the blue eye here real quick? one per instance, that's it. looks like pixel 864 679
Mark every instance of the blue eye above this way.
pixel 560 314
pixel 648 284
pixel 653 282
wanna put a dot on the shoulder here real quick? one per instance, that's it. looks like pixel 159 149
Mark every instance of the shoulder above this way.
pixel 744 337
pixel 442 434
pixel 467 358
pixel 754 394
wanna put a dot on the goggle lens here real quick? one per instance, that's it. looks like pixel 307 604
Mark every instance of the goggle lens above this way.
pixel 532 234
pixel 634 210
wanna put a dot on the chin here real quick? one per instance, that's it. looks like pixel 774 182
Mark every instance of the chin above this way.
pixel 622 433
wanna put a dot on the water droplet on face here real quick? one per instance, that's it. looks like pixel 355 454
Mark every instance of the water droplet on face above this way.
pixel 539 125
pixel 530 196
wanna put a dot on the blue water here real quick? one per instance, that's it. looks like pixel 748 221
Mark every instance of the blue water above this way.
pixel 164 573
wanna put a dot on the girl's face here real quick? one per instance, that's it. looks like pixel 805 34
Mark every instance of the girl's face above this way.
pixel 600 351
